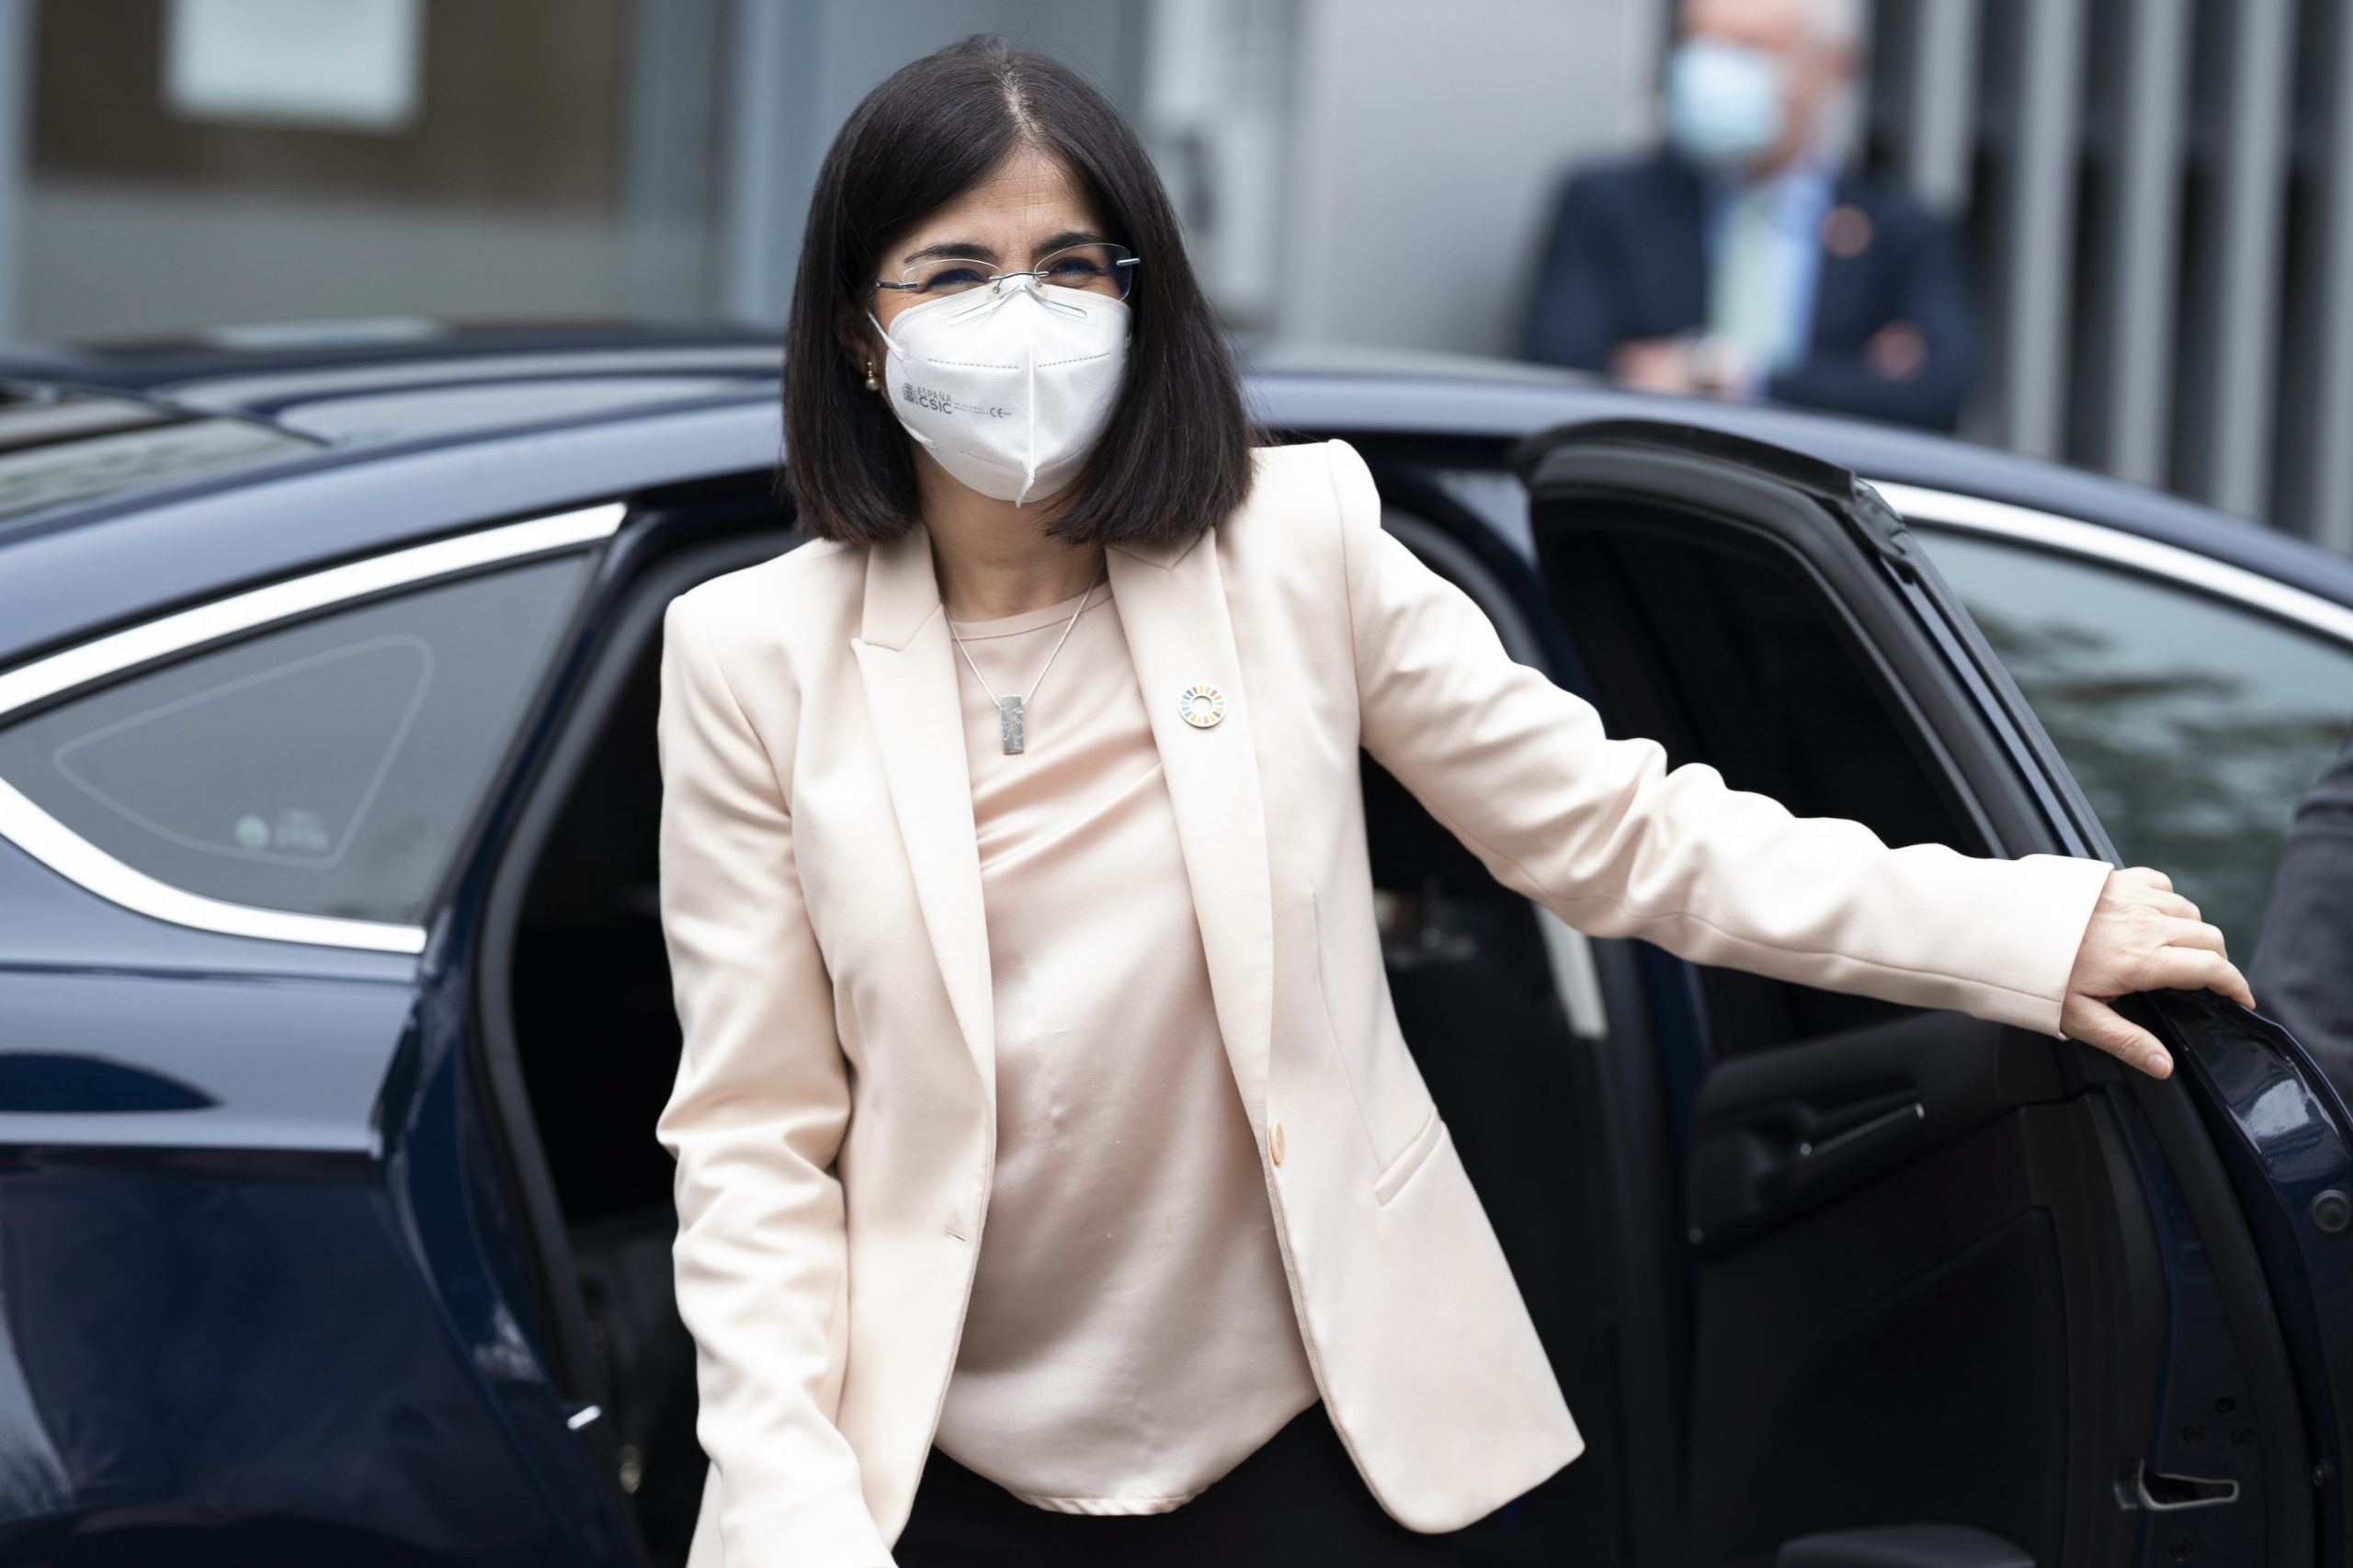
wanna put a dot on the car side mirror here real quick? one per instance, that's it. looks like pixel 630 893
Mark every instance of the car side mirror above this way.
pixel 1903 1546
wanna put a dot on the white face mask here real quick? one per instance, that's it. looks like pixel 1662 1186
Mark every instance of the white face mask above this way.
pixel 1009 388
pixel 1726 104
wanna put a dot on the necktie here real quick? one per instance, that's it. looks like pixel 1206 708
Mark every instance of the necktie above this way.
pixel 1748 297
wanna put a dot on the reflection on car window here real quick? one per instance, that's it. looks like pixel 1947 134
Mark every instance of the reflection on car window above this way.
pixel 66 447
pixel 2194 725
pixel 327 768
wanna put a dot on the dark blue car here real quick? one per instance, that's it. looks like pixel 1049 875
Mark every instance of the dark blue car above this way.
pixel 335 1017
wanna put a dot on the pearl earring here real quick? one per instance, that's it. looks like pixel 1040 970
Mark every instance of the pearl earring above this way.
pixel 871 384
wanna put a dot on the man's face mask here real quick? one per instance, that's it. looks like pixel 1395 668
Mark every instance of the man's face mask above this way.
pixel 1009 385
pixel 1726 104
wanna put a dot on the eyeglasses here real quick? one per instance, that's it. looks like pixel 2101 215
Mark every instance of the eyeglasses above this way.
pixel 1097 267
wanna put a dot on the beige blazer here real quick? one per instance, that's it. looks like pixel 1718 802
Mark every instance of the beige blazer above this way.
pixel 834 1115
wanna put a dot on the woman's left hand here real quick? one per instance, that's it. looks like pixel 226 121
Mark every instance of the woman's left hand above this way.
pixel 2142 937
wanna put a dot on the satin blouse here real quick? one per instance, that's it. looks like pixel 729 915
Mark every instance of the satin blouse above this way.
pixel 1129 1337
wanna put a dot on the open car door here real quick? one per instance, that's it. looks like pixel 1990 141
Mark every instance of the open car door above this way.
pixel 1953 1295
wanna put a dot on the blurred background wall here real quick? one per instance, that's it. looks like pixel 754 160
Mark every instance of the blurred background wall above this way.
pixel 2159 193
pixel 2160 199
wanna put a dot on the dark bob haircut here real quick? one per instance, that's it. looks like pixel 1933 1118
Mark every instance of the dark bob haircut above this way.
pixel 1175 454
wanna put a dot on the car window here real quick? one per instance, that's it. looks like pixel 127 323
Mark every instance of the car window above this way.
pixel 2193 725
pixel 325 767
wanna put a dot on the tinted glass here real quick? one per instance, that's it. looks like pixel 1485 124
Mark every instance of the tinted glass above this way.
pixel 2193 725
pixel 327 768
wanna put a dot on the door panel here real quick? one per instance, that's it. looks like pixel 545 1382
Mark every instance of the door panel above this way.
pixel 1782 1133
pixel 253 1306
pixel 1928 1262
pixel 2281 1129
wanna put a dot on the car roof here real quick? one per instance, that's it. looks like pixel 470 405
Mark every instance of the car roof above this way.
pixel 1385 391
pixel 343 386
pixel 375 349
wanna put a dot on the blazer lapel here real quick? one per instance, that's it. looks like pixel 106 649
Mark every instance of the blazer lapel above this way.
pixel 1677 268
pixel 1180 632
pixel 1842 299
pixel 907 660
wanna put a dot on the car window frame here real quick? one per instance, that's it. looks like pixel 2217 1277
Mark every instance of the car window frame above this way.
pixel 1928 509
pixel 84 666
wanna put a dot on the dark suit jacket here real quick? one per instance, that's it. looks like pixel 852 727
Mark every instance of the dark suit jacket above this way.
pixel 1625 258
pixel 2303 974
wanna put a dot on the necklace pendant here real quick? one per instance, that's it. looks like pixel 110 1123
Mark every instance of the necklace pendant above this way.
pixel 1008 724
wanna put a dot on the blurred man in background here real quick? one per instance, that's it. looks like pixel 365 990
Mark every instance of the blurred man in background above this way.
pixel 1742 259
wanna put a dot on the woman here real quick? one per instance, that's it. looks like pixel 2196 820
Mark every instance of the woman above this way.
pixel 1015 883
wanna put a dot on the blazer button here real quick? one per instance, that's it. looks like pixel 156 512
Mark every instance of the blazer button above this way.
pixel 1275 1143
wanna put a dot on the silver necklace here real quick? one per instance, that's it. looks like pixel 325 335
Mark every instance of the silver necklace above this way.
pixel 1009 708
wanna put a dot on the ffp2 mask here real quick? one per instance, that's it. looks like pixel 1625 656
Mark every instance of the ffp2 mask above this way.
pixel 1008 388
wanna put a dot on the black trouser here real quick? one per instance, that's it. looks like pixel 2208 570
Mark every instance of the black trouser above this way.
pixel 1297 1499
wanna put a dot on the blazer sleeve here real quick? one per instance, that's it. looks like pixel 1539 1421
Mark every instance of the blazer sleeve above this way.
pixel 1603 834
pixel 755 1119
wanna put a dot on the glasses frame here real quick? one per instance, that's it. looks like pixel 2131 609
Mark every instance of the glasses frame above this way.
pixel 994 282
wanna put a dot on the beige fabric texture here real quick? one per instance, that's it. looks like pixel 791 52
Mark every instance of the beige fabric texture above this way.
pixel 1131 1336
pixel 834 1116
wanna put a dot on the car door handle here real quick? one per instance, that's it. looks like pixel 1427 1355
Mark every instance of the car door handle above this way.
pixel 1749 1177
pixel 1859 1148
